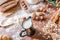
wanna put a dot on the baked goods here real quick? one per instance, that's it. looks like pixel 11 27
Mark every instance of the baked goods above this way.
pixel 2 2
pixel 8 5
pixel 55 16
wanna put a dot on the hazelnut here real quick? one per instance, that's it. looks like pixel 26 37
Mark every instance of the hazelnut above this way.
pixel 33 15
pixel 0 37
pixel 37 18
pixel 48 36
pixel 25 7
pixel 41 9
pixel 35 39
pixel 44 10
pixel 47 5
pixel 23 4
pixel 45 16
pixel 41 17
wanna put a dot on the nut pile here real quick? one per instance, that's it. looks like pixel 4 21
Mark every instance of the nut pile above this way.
pixel 24 5
pixel 39 16
pixel 41 9
pixel 42 36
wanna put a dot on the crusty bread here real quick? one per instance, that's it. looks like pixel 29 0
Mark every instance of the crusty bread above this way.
pixel 10 7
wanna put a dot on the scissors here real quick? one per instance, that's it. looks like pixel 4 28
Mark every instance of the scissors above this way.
pixel 28 29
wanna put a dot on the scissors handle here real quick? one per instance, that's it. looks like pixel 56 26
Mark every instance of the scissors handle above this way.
pixel 23 33
pixel 28 32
